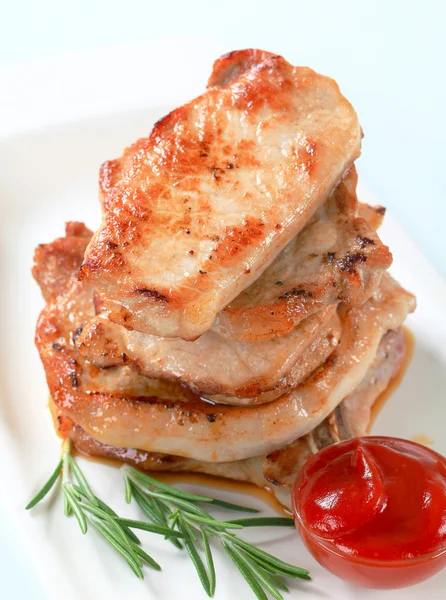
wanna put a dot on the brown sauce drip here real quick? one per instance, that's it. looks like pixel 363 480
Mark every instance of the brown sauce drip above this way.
pixel 212 482
pixel 265 494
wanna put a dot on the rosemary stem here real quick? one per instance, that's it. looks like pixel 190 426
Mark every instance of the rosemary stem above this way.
pixel 66 449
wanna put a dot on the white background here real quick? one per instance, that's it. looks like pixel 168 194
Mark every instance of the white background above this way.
pixel 388 57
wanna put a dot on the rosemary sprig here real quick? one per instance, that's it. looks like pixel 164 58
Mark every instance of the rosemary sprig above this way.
pixel 180 518
pixel 180 510
pixel 80 500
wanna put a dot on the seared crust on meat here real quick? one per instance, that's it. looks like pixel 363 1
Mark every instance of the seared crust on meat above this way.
pixel 213 366
pixel 194 212
pixel 351 418
pixel 232 315
pixel 186 425
pixel 280 468
pixel 374 215
pixel 55 263
pixel 337 257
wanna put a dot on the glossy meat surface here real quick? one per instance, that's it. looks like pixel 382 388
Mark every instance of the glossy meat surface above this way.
pixel 337 257
pixel 211 365
pixel 185 425
pixel 196 211
pixel 351 418
pixel 278 469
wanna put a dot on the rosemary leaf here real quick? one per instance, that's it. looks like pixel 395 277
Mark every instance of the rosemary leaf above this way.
pixel 113 541
pixel 272 570
pixel 281 566
pixel 152 527
pixel 209 562
pixel 111 521
pixel 66 506
pixel 46 488
pixel 245 571
pixel 147 505
pixel 184 504
pixel 187 527
pixel 276 581
pixel 128 489
pixel 66 475
pixel 172 491
pixel 78 491
pixel 214 523
pixel 146 557
pixel 232 506
pixel 129 533
pixel 80 478
pixel 73 503
pixel 195 557
pixel 159 508
pixel 264 578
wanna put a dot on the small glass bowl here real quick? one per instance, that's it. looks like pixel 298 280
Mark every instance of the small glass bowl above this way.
pixel 368 572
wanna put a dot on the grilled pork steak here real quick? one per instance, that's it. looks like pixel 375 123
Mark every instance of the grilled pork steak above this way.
pixel 278 469
pixel 186 425
pixel 337 257
pixel 196 211
pixel 231 372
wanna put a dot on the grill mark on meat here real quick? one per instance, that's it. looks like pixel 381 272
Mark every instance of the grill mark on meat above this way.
pixel 364 241
pixel 217 172
pixel 74 379
pixel 333 232
pixel 152 294
pixel 76 333
pixel 296 292
pixel 347 264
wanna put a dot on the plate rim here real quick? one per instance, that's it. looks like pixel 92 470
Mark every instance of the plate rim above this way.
pixel 47 116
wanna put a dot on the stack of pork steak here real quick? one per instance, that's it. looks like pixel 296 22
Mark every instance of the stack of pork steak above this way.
pixel 232 314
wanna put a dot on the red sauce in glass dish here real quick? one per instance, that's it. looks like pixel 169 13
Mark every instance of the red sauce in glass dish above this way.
pixel 373 510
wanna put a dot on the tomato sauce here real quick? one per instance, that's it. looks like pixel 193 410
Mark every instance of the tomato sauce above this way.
pixel 376 501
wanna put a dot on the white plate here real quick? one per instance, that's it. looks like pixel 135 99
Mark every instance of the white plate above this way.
pixel 49 177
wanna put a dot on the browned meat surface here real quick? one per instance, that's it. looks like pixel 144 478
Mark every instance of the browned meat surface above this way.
pixel 55 263
pixel 350 419
pixel 337 257
pixel 196 211
pixel 374 215
pixel 279 469
pixel 232 315
pixel 213 366
pixel 186 425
